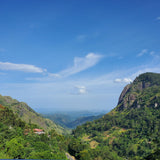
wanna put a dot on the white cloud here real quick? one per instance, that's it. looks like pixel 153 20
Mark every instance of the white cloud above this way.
pixel 118 80
pixel 81 89
pixel 144 51
pixel 125 80
pixel 21 67
pixel 81 64
pixel 78 89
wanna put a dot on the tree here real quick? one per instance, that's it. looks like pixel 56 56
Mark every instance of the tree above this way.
pixel 14 148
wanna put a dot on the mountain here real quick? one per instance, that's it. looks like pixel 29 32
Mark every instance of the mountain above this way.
pixel 130 131
pixel 135 94
pixel 27 114
pixel 73 119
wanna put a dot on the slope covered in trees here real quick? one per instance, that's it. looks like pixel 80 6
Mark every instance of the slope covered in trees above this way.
pixel 131 130
pixel 16 143
pixel 27 114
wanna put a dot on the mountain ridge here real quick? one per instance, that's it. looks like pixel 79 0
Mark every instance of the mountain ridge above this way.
pixel 27 114
pixel 135 89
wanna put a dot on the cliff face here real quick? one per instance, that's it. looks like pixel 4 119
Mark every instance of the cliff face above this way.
pixel 133 93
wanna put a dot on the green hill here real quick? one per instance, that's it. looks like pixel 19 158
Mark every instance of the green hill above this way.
pixel 131 130
pixel 18 141
pixel 27 114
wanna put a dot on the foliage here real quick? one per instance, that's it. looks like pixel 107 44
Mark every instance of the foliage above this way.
pixel 15 144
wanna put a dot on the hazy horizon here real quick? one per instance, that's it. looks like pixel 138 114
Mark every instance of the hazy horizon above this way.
pixel 76 55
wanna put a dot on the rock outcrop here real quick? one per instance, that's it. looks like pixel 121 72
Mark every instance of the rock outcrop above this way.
pixel 131 93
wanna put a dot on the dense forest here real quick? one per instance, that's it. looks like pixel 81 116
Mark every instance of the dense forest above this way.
pixel 130 131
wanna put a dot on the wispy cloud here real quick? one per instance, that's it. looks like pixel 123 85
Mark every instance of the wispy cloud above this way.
pixel 148 53
pixel 81 64
pixel 119 76
pixel 144 51
pixel 125 80
pixel 20 67
pixel 79 90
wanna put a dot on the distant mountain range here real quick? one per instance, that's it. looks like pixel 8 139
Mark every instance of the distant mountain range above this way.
pixel 73 119
pixel 61 122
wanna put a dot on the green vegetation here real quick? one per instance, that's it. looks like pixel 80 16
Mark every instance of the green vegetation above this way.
pixel 15 144
pixel 132 129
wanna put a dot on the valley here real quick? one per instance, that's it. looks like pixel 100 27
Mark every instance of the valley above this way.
pixel 72 119
pixel 130 131
pixel 80 79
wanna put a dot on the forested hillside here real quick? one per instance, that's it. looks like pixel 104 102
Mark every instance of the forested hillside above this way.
pixel 18 141
pixel 131 130
pixel 27 114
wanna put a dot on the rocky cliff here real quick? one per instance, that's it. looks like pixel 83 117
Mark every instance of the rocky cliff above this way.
pixel 132 94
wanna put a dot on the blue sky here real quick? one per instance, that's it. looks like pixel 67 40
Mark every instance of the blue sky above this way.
pixel 76 55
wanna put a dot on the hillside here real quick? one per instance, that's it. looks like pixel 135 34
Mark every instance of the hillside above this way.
pixel 27 114
pixel 131 130
pixel 16 143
